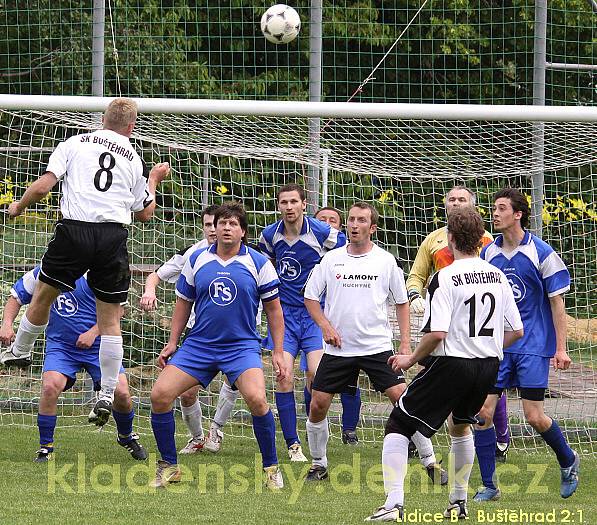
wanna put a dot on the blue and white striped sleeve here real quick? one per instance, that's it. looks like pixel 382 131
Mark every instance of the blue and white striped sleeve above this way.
pixel 554 274
pixel 335 239
pixel 23 289
pixel 267 282
pixel 265 246
pixel 185 286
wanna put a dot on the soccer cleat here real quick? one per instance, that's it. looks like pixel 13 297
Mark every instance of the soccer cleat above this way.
pixel 165 473
pixel 501 452
pixel 194 445
pixel 273 477
pixel 349 437
pixel 487 494
pixel 134 447
pixel 295 453
pixel 456 510
pixel 100 413
pixel 412 450
pixel 10 358
pixel 43 455
pixel 317 473
pixel 570 478
pixel 437 473
pixel 213 443
pixel 395 514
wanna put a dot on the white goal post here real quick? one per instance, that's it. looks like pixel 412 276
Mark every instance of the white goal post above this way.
pixel 401 157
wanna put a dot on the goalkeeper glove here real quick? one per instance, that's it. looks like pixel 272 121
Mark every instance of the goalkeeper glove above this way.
pixel 417 303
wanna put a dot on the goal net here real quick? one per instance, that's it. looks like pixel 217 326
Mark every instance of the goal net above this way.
pixel 403 159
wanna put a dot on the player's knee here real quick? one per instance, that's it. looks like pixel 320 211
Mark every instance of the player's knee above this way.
pixel 318 408
pixel 395 392
pixel 161 399
pixel 122 398
pixel 51 389
pixel 538 420
pixel 188 398
pixel 287 384
pixel 257 403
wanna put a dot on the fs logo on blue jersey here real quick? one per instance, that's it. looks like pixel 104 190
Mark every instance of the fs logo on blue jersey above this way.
pixel 66 305
pixel 518 288
pixel 222 291
pixel 289 269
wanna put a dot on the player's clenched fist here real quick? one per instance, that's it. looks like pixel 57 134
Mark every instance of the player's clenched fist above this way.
pixel 160 171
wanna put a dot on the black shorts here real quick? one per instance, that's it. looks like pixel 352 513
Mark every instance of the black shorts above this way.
pixel 99 248
pixel 336 374
pixel 447 385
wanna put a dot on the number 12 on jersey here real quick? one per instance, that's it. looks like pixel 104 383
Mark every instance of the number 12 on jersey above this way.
pixel 471 302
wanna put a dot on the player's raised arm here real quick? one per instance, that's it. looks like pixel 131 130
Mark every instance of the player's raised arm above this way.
pixel 34 193
pixel 158 173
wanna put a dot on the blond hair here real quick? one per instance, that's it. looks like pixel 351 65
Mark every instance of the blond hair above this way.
pixel 119 114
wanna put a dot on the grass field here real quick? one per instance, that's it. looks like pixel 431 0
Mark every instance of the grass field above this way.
pixel 93 480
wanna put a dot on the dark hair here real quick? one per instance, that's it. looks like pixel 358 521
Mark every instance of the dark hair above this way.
pixel 293 187
pixel 518 201
pixel 472 194
pixel 367 206
pixel 330 208
pixel 230 210
pixel 210 210
pixel 467 229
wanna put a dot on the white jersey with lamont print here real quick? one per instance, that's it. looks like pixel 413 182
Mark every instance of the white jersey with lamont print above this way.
pixel 358 289
pixel 103 178
pixel 472 301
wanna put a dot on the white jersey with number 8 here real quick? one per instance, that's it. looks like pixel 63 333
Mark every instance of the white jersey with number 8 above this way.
pixel 103 178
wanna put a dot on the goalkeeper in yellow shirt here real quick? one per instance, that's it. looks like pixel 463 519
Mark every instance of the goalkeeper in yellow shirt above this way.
pixel 433 255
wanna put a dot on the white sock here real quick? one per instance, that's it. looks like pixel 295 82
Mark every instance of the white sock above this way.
pixel 318 434
pixel 425 448
pixel 225 404
pixel 192 417
pixel 26 336
pixel 462 456
pixel 110 356
pixel 394 460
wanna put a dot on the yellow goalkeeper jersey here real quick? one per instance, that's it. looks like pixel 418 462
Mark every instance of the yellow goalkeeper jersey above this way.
pixel 433 255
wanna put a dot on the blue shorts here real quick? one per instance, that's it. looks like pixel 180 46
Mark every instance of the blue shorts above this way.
pixel 523 371
pixel 69 360
pixel 300 332
pixel 204 365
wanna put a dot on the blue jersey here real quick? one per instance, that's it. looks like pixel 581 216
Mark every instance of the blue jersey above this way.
pixel 226 297
pixel 72 314
pixel 535 273
pixel 295 259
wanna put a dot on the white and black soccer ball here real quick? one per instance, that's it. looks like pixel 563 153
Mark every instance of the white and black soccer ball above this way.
pixel 280 24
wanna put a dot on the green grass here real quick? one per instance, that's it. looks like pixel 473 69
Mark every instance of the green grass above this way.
pixel 90 485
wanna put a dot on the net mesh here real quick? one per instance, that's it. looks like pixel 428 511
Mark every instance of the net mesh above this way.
pixel 404 166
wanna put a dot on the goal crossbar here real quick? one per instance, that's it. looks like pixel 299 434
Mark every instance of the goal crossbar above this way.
pixel 448 112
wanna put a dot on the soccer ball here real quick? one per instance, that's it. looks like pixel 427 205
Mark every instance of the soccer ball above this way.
pixel 280 24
